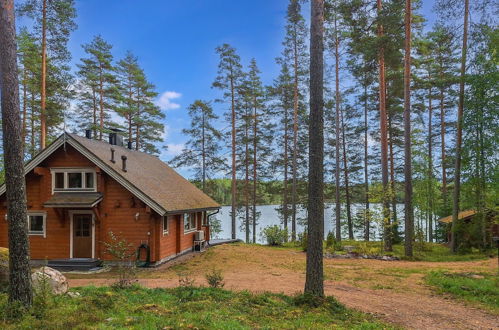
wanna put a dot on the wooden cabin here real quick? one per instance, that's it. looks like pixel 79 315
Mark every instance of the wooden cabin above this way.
pixel 79 190
pixel 469 217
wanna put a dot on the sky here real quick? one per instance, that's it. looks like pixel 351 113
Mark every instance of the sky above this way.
pixel 175 42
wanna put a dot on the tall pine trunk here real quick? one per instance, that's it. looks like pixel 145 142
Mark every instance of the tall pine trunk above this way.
pixel 25 105
pixel 255 166
pixel 337 136
pixel 393 199
pixel 19 268
pixel 285 201
pixel 347 185
pixel 366 169
pixel 443 155
pixel 409 216
pixel 295 137
pixel 43 94
pixel 430 165
pixel 314 282
pixel 387 237
pixel 233 150
pixel 246 177
pixel 101 102
pixel 203 150
pixel 459 133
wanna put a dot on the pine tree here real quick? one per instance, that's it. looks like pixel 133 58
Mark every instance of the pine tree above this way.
pixel 281 107
pixel 19 269
pixel 148 116
pixel 54 20
pixel 97 83
pixel 201 152
pixel 228 80
pixel 314 283
pixel 295 55
pixel 409 225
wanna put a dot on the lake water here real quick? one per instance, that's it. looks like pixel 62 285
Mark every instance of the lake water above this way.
pixel 270 216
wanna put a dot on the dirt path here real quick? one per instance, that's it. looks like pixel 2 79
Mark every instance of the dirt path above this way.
pixel 393 291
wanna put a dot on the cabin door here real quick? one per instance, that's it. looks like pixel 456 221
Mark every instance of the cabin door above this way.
pixel 82 235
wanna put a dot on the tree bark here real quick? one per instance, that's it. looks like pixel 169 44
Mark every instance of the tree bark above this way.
pixel 43 96
pixel 347 185
pixel 285 201
pixel 459 133
pixel 246 176
pixel 295 137
pixel 409 220
pixel 203 151
pixel 387 237
pixel 19 268
pixel 430 165
pixel 101 102
pixel 337 135
pixel 233 150
pixel 393 199
pixel 443 155
pixel 366 170
pixel 314 283
pixel 255 165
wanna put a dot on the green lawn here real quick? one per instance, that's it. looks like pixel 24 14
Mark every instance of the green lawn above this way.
pixel 477 288
pixel 184 307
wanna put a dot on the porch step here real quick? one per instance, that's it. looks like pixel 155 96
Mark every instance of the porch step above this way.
pixel 79 264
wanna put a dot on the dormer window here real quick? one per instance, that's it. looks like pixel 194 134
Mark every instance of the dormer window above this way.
pixel 73 179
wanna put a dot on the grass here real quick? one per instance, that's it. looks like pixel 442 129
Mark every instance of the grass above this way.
pixel 185 307
pixel 432 252
pixel 482 289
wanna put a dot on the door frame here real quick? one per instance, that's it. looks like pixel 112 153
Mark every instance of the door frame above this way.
pixel 71 213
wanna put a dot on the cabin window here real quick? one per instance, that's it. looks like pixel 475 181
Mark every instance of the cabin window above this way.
pixel 73 179
pixel 204 219
pixel 36 223
pixel 166 220
pixel 189 222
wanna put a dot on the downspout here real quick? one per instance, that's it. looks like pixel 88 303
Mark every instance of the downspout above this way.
pixel 208 223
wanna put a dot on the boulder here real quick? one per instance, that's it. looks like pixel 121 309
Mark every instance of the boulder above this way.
pixel 50 277
pixel 4 265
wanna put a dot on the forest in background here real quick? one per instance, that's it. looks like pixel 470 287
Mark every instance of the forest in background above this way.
pixel 262 154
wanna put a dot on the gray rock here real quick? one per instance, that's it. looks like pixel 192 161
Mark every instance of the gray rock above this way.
pixel 51 278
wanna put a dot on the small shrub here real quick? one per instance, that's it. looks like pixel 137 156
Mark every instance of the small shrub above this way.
pixel 185 280
pixel 122 251
pixel 215 279
pixel 42 296
pixel 274 235
pixel 302 237
pixel 330 241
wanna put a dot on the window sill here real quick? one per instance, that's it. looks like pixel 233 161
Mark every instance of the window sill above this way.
pixel 37 234
pixel 165 233
pixel 190 231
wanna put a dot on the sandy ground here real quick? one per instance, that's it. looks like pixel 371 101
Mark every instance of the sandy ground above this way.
pixel 392 290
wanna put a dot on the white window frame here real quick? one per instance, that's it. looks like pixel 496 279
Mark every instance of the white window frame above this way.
pixel 42 214
pixel 166 219
pixel 188 215
pixel 82 170
pixel 204 219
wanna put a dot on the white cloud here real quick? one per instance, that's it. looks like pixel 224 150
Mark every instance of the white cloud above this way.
pixel 165 100
pixel 174 149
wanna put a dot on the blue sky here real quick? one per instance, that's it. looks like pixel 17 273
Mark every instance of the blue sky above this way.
pixel 175 42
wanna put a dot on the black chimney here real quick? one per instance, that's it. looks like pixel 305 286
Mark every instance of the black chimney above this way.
pixel 129 145
pixel 88 133
pixel 112 156
pixel 123 159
